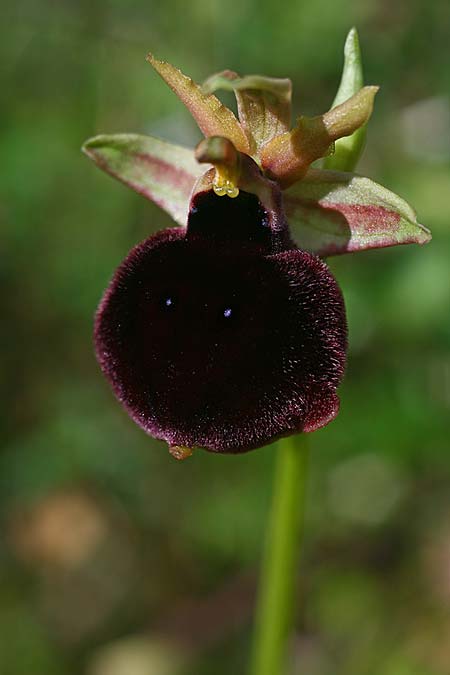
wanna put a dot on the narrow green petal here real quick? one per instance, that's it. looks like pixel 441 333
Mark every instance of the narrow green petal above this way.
pixel 212 117
pixel 287 157
pixel 160 171
pixel 332 212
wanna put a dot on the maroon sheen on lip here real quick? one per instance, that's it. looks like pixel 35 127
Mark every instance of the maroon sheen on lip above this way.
pixel 223 335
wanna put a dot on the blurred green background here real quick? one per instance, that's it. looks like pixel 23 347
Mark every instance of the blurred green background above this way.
pixel 114 558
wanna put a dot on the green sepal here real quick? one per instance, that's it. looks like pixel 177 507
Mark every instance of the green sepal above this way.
pixel 347 150
pixel 162 172
pixel 334 212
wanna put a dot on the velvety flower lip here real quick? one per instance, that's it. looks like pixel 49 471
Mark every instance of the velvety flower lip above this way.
pixel 222 351
pixel 240 224
pixel 229 331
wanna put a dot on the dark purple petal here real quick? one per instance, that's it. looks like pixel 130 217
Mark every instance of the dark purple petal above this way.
pixel 241 224
pixel 214 347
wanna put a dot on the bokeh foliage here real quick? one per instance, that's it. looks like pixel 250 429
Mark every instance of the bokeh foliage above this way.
pixel 115 560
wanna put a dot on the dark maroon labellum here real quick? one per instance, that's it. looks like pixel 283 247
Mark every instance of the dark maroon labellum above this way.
pixel 223 335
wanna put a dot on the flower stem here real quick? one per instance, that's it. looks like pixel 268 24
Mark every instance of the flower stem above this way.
pixel 276 600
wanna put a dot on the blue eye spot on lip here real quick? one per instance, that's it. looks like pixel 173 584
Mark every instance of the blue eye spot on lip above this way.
pixel 227 312
pixel 168 302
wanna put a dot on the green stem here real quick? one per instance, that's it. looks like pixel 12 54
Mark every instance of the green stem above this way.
pixel 278 576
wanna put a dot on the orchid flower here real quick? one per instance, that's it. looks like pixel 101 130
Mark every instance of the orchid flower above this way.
pixel 228 330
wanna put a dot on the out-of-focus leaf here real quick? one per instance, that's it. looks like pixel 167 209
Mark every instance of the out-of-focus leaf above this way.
pixel 163 172
pixel 264 104
pixel 347 150
pixel 287 157
pixel 332 212
pixel 212 117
